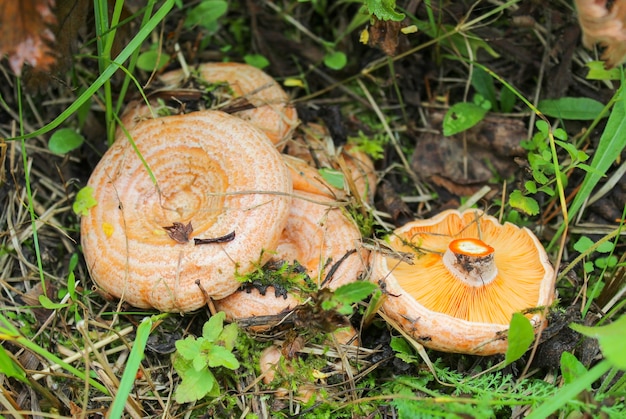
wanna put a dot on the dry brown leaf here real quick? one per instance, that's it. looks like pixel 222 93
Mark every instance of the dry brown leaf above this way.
pixel 604 26
pixel 25 34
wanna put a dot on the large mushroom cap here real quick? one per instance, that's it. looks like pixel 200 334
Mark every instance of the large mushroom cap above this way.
pixel 469 275
pixel 322 240
pixel 211 170
pixel 265 104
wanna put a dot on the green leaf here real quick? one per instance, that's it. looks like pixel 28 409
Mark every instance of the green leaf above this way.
pixel 152 60
pixel 9 368
pixel 84 201
pixel 521 336
pixel 462 116
pixel 598 72
pixel 221 357
pixel 212 329
pixel 195 384
pixel 524 203
pixel 582 244
pixel 354 291
pixel 576 108
pixel 189 348
pixel 49 304
pixel 332 176
pixel 200 362
pixel 569 147
pixel 507 100
pixel 611 338
pixel 383 9
pixel 400 345
pixel 335 60
pixel 228 337
pixel 65 140
pixel 206 14
pixel 483 83
pixel 571 368
pixel 530 186
pixel 256 60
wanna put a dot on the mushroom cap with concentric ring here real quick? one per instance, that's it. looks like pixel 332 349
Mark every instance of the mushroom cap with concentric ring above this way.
pixel 210 169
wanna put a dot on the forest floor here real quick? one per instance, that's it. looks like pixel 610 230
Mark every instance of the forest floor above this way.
pixel 386 86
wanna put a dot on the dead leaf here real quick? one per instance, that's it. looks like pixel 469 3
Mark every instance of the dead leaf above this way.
pixel 604 26
pixel 463 168
pixel 179 232
pixel 25 34
pixel 384 34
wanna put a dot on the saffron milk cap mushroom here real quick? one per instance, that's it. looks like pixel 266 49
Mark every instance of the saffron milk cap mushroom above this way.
pixel 269 108
pixel 217 196
pixel 468 275
pixel 323 241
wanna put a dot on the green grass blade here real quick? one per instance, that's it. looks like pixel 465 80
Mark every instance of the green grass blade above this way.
pixel 570 391
pixel 134 44
pixel 612 142
pixel 132 365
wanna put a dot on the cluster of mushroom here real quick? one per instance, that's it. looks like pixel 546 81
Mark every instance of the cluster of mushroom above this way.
pixel 188 203
pixel 191 201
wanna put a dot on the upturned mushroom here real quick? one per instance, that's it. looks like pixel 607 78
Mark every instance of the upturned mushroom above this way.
pixel 251 95
pixel 323 241
pixel 468 275
pixel 201 197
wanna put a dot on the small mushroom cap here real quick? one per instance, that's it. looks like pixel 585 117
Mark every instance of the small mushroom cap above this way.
pixel 272 112
pixel 321 239
pixel 447 314
pixel 211 170
pixel 315 148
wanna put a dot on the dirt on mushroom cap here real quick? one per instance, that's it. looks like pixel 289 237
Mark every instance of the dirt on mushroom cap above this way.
pixel 320 238
pixel 212 170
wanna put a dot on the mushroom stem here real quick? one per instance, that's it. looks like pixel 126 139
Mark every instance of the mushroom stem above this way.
pixel 471 261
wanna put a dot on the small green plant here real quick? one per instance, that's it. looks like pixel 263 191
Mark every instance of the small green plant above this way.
pixel 543 168
pixel 343 297
pixel 195 357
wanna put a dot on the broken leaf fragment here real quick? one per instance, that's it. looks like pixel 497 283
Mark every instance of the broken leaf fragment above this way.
pixel 84 201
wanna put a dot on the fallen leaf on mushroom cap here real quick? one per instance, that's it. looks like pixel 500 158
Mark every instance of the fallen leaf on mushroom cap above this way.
pixel 321 239
pixel 469 275
pixel 215 175
pixel 264 102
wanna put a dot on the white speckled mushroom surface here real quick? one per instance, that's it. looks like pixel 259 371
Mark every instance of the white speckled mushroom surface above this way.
pixel 212 170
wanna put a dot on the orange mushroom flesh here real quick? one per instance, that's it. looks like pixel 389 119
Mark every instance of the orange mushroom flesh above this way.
pixel 469 274
pixel 213 178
